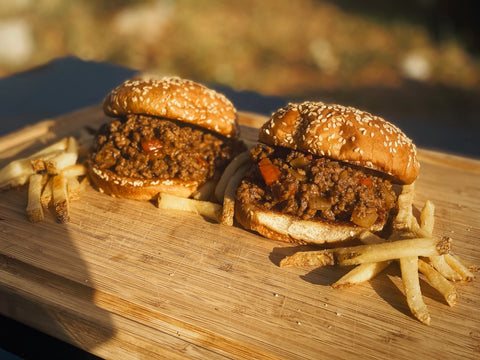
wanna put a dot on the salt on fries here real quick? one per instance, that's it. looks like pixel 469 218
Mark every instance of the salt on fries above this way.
pixel 411 244
pixel 52 175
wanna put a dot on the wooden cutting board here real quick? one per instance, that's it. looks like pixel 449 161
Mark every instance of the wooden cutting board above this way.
pixel 125 280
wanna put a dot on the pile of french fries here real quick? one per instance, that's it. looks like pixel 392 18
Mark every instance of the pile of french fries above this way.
pixel 411 244
pixel 53 176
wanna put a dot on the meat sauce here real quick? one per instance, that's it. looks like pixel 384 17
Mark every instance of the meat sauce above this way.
pixel 145 147
pixel 309 187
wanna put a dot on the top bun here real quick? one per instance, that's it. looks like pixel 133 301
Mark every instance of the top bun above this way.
pixel 177 99
pixel 345 134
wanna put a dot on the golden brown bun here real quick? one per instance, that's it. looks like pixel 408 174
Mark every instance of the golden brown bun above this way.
pixel 109 183
pixel 345 134
pixel 288 228
pixel 177 99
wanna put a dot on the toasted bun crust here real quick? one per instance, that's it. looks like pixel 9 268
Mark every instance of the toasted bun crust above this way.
pixel 110 183
pixel 345 134
pixel 177 99
pixel 288 228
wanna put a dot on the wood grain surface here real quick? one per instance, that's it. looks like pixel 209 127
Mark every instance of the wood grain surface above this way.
pixel 126 280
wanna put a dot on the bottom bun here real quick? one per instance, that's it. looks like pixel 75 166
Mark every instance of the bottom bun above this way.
pixel 288 228
pixel 112 184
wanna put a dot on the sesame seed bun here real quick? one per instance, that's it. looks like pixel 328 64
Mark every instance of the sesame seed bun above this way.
pixel 177 99
pixel 108 182
pixel 345 134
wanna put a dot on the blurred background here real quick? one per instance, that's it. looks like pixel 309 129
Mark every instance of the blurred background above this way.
pixel 412 59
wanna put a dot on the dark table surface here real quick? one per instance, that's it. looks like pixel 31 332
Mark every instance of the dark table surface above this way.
pixel 68 84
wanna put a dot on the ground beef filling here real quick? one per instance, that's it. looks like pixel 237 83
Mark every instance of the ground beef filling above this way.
pixel 145 147
pixel 310 187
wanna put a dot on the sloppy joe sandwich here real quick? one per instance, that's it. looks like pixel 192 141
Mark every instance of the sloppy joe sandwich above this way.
pixel 167 135
pixel 323 174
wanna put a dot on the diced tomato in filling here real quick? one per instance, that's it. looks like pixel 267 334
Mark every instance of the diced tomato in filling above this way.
pixel 365 181
pixel 269 171
pixel 151 145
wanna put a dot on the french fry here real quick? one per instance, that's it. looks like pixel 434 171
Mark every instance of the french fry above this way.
pixel 418 231
pixel 427 217
pixel 392 250
pixel 37 165
pixel 403 219
pixel 440 283
pixel 17 172
pixel 66 158
pixel 229 195
pixel 440 264
pixel 52 174
pixel 61 203
pixel 60 145
pixel 205 208
pixel 73 188
pixel 74 170
pixel 47 194
pixel 411 284
pixel 360 273
pixel 363 272
pixel 40 163
pixel 231 168
pixel 34 206
pixel 458 266
pixel 361 254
